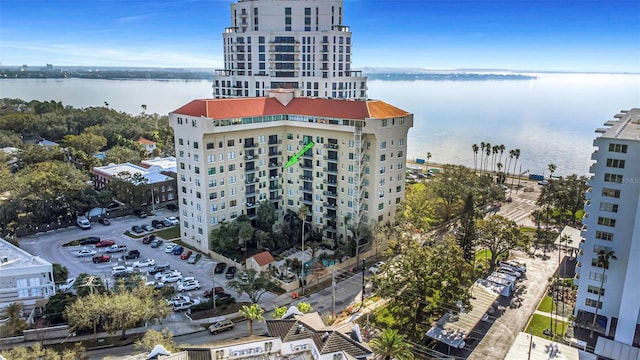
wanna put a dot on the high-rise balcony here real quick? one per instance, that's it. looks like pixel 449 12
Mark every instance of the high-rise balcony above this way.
pixel 275 142
pixel 329 193
pixel 305 189
pixel 275 153
pixel 273 186
pixel 330 205
pixel 305 178
pixel 307 202
pixel 330 170
pixel 252 192
pixel 306 165
pixel 275 198
pixel 250 169
pixel 251 181
pixel 330 216
pixel 331 146
pixel 330 181
pixel 251 157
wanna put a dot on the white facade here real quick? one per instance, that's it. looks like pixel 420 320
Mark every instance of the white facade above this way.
pixel 231 155
pixel 24 278
pixel 289 44
pixel 613 223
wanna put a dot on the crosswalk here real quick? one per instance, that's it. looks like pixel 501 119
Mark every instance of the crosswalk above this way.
pixel 519 211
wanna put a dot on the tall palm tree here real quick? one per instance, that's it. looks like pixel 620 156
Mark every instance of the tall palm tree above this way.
pixel 428 157
pixel 552 168
pixel 516 155
pixel 391 345
pixel 501 148
pixel 474 147
pixel 251 313
pixel 495 149
pixel 482 146
pixel 604 257
pixel 302 214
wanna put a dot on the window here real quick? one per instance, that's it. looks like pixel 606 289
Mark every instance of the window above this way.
pixel 198 195
pixel 593 303
pixel 233 203
pixel 231 142
pixel 221 170
pixel 382 169
pixel 232 191
pixel 594 262
pixel 211 158
pixel 606 221
pixel 614 178
pixel 597 276
pixel 608 207
pixel 232 179
pixel 232 155
pixel 601 235
pixel 211 171
pixel 595 290
pixel 614 193
pixel 384 145
pixel 400 142
pixel 384 122
pixel 400 153
pixel 195 145
pixel 197 170
pixel 398 188
pixel 615 163
pixel 383 157
pixel 619 148
pixel 380 206
pixel 232 167
pixel 182 166
pixel 180 141
pixel 214 220
pixel 210 146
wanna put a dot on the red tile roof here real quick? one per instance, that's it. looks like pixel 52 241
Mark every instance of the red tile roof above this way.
pixel 263 258
pixel 332 108
pixel 145 141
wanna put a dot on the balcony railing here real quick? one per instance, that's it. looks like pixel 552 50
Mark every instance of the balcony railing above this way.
pixel 328 181
pixel 275 186
pixel 251 181
pixel 302 188
pixel 331 171
pixel 251 157
pixel 275 164
pixel 329 193
pixel 305 178
pixel 251 205
pixel 249 170
pixel 275 142
pixel 252 192
pixel 275 198
pixel 275 153
pixel 331 146
pixel 330 206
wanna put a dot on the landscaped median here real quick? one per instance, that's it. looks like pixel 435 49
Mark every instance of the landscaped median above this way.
pixel 541 324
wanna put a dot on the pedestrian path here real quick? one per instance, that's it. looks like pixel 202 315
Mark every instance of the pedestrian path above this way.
pixel 562 318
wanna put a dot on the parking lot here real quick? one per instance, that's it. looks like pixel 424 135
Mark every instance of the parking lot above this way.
pixel 49 247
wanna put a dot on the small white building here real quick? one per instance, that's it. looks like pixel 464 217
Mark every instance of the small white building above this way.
pixel 24 278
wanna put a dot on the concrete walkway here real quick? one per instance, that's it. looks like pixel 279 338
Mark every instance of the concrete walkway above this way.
pixel 546 314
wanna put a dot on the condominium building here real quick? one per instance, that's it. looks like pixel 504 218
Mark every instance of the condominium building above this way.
pixel 288 44
pixel 231 155
pixel 612 223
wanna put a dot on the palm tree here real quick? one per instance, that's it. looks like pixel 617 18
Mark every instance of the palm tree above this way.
pixel 245 232
pixel 251 313
pixel 501 148
pixel 474 147
pixel 552 168
pixel 302 214
pixel 494 149
pixel 428 157
pixel 391 345
pixel 516 155
pixel 487 148
pixel 482 146
pixel 603 261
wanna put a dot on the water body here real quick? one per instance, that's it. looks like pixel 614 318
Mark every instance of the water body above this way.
pixel 551 119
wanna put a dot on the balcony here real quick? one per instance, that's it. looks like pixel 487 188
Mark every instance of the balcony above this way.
pixel 275 142
pixel 330 171
pixel 275 198
pixel 305 189
pixel 305 165
pixel 252 192
pixel 307 201
pixel 250 145
pixel 275 153
pixel 251 205
pixel 305 178
pixel 329 216
pixel 330 206
pixel 331 146
pixel 274 186
pixel 326 157
pixel 251 181
pixel 330 181
pixel 329 193
pixel 275 164
pixel 251 157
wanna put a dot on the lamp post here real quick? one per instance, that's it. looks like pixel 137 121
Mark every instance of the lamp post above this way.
pixel 363 269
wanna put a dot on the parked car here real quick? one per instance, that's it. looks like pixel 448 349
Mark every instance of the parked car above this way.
pixel 231 272
pixel 173 220
pixel 105 243
pixel 194 258
pixel 543 182
pixel 116 248
pixel 189 285
pixel 91 240
pixel 85 253
pixel 167 272
pixel 140 213
pixel 178 250
pixel 509 271
pixel 216 290
pixel 157 224
pixel 171 278
pixel 183 305
pixel 185 255
pixel 101 258
pixel 375 267
pixel 222 325
pixel 67 284
pixel 155 284
pixel 144 263
pixel 220 267
pixel 172 207
pixel 147 227
pixel 223 297
pixel 159 268
pixel 148 238
pixel 136 229
pixel 167 223
pixel 104 221
pixel 521 267
pixel 156 242
pixel 119 270
pixel 132 254
pixel 177 298
pixel 83 222
pixel 169 248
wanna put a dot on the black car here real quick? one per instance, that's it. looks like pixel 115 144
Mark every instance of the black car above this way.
pixel 157 224
pixel 132 254
pixel 91 240
pixel 140 213
pixel 136 229
pixel 220 267
pixel 172 207
pixel 231 272
pixel 104 221
pixel 159 268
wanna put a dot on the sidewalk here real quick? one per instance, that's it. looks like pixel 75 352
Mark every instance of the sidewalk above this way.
pixel 546 314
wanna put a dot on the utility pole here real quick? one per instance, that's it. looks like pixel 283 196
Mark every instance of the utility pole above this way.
pixel 333 293
pixel 363 269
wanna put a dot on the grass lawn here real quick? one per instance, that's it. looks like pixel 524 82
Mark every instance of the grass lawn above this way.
pixel 169 233
pixel 547 304
pixel 538 323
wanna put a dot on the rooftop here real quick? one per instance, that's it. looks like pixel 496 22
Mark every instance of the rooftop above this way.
pixel 626 127
pixel 165 164
pixel 263 258
pixel 527 346
pixel 12 257
pixel 153 176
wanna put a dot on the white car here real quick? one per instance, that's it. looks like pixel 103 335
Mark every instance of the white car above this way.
pixel 171 278
pixel 178 298
pixel 144 263
pixel 162 274
pixel 375 267
pixel 120 270
pixel 189 285
pixel 67 285
pixel 173 220
pixel 85 252
pixel 508 271
pixel 169 248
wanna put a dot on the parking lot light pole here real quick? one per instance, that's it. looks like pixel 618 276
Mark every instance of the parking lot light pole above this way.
pixel 363 269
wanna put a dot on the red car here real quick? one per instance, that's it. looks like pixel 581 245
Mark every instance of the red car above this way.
pixel 217 290
pixel 101 258
pixel 186 255
pixel 105 243
pixel 148 238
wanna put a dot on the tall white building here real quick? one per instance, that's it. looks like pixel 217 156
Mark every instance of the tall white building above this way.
pixel 613 223
pixel 288 44
pixel 231 155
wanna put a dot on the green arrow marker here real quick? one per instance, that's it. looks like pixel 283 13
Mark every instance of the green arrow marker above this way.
pixel 296 157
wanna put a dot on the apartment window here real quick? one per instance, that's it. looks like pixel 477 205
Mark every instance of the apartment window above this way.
pixel 596 276
pixel 593 303
pixel 221 170
pixel 614 193
pixel 383 157
pixel 398 188
pixel 212 183
pixel 222 194
pixel 615 163
pixel 384 122
pixel 382 169
pixel 232 167
pixel 606 221
pixel 231 143
pixel 181 153
pixel 400 142
pixel 232 191
pixel 232 179
pixel 594 262
pixel 210 145
pixel 180 141
pixel 614 178
pixel 400 153
pixel 211 158
pixel 211 171
pixel 380 206
pixel 604 206
pixel 233 203
pixel 595 290
pixel 197 170
pixel 601 235
pixel 195 145
pixel 221 156
pixel 231 155
pixel 214 220
pixel 182 166
pixel 619 148
pixel 384 145
pixel 198 195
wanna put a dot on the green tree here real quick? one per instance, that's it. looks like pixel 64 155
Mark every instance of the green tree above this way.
pixel 60 273
pixel 604 259
pixel 499 235
pixel 39 352
pixel 467 240
pixel 56 304
pixel 120 154
pixel 279 312
pixel 252 313
pixel 86 142
pixel 152 338
pixel 304 307
pixel 255 286
pixel 85 313
pixel 15 324
pixel 245 233
pixel 266 216
pixel 391 345
pixel 474 148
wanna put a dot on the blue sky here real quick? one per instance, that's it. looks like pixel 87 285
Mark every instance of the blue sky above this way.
pixel 562 35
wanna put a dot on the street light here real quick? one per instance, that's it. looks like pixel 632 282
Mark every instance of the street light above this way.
pixel 362 304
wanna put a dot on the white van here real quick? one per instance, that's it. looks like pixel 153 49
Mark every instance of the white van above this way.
pixel 83 222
